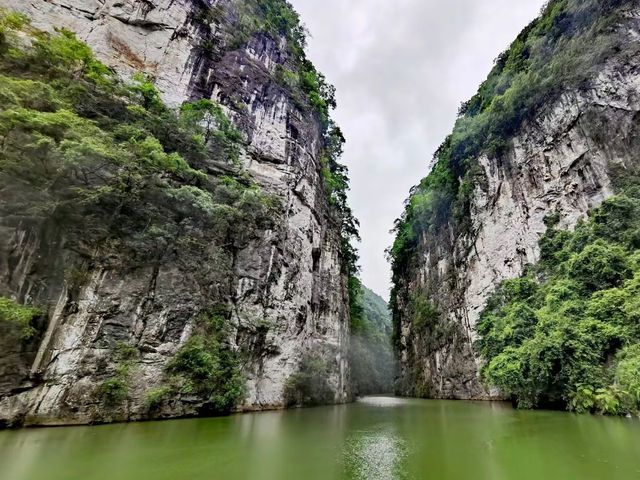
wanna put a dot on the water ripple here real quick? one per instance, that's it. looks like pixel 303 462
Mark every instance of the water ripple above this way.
pixel 375 455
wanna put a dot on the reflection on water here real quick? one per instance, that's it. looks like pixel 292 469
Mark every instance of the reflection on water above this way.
pixel 375 438
pixel 378 454
pixel 374 455
pixel 383 401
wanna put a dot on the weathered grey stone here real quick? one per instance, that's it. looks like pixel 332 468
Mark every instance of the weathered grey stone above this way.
pixel 561 162
pixel 278 278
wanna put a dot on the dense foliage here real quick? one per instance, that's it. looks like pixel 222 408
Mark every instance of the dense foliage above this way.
pixel 562 49
pixel 87 151
pixel 17 321
pixel 207 365
pixel 371 354
pixel 568 332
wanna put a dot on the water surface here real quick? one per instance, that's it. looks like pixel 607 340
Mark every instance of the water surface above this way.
pixel 376 438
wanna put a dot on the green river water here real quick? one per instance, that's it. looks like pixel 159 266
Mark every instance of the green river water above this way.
pixel 376 438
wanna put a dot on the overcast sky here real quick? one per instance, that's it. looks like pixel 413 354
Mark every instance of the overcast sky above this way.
pixel 402 68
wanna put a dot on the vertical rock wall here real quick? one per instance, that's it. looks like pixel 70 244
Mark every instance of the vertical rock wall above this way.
pixel 289 291
pixel 562 162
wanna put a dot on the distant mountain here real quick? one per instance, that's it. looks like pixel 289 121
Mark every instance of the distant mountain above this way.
pixel 376 311
pixel 371 353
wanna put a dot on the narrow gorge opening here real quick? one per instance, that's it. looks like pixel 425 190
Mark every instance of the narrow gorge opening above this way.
pixel 192 226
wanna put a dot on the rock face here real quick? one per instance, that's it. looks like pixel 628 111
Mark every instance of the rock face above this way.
pixel 289 293
pixel 562 162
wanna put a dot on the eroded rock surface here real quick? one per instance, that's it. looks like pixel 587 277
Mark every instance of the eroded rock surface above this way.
pixel 562 162
pixel 288 293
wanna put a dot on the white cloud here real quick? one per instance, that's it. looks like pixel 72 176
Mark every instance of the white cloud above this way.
pixel 402 68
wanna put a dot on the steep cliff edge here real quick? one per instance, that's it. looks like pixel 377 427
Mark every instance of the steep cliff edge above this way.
pixel 549 131
pixel 223 261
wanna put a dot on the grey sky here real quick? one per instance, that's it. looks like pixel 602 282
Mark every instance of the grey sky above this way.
pixel 402 68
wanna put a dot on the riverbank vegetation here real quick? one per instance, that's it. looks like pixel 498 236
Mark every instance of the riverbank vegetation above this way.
pixel 207 366
pixel 567 334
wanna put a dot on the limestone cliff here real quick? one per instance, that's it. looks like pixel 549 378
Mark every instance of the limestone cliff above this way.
pixel 559 157
pixel 286 288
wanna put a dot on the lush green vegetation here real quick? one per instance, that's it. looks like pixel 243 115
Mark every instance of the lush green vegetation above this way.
pixel 18 320
pixel 115 389
pixel 568 332
pixel 309 386
pixel 107 160
pixel 336 180
pixel 562 49
pixel 155 398
pixel 206 366
pixel 9 23
pixel 371 354
pixel 311 84
pixel 277 18
pixel 376 310
pixel 422 312
pixel 207 118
